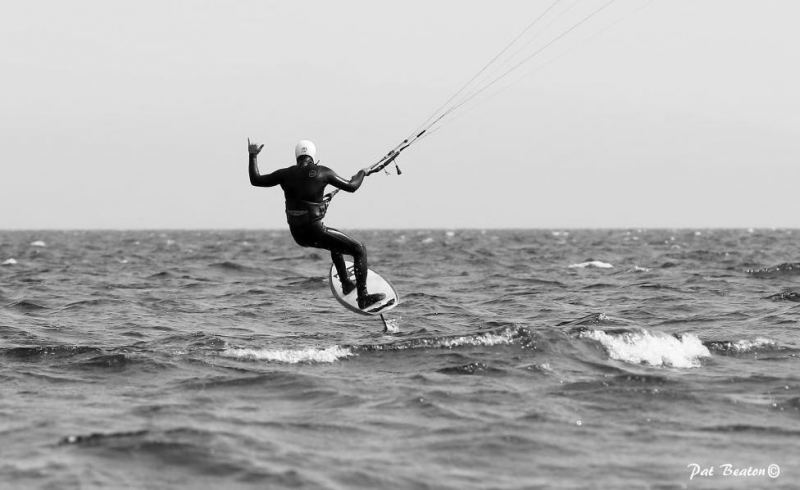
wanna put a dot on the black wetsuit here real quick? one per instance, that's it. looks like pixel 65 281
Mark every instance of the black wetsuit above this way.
pixel 303 186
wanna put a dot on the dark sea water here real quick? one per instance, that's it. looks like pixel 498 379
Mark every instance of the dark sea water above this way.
pixel 518 359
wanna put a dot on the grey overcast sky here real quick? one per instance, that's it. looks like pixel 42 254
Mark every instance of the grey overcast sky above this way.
pixel 135 114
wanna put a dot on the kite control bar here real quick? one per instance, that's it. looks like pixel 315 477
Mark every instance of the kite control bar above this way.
pixel 384 162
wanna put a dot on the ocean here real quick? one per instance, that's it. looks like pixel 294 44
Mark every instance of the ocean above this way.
pixel 517 359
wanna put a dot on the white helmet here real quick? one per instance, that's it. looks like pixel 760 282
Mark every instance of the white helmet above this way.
pixel 305 147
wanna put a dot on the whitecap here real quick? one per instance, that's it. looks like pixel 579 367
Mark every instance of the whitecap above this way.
pixel 392 325
pixel 38 243
pixel 487 339
pixel 544 367
pixel 745 345
pixel 11 261
pixel 450 234
pixel 591 263
pixel 427 240
pixel 290 356
pixel 655 349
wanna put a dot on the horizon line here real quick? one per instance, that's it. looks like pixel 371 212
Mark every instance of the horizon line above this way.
pixel 533 228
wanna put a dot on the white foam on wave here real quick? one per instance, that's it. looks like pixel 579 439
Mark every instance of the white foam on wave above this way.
pixel 591 263
pixel 290 356
pixel 488 339
pixel 655 349
pixel 11 261
pixel 748 345
pixel 392 325
pixel 38 243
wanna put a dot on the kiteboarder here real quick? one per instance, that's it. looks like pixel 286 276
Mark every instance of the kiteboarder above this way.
pixel 303 186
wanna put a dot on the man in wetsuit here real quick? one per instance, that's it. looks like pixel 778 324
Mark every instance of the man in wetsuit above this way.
pixel 303 185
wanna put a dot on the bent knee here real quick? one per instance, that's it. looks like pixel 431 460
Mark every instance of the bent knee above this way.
pixel 359 249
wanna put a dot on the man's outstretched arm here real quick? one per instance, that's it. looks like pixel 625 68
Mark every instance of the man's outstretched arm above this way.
pixel 256 178
pixel 351 185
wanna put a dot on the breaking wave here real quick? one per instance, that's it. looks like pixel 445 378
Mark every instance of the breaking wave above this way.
pixel 653 348
pixel 597 264
pixel 290 356
pixel 501 336
pixel 743 346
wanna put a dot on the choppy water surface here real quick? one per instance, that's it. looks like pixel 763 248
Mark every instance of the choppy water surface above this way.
pixel 522 359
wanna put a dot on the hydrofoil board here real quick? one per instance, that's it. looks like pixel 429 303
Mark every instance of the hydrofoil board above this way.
pixel 375 284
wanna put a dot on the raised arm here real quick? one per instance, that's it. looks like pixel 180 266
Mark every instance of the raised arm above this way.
pixel 256 178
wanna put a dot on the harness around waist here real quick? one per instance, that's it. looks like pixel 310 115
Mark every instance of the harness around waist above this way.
pixel 300 212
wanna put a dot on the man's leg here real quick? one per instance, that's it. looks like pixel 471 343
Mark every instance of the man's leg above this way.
pixel 336 241
pixel 314 235
pixel 341 269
